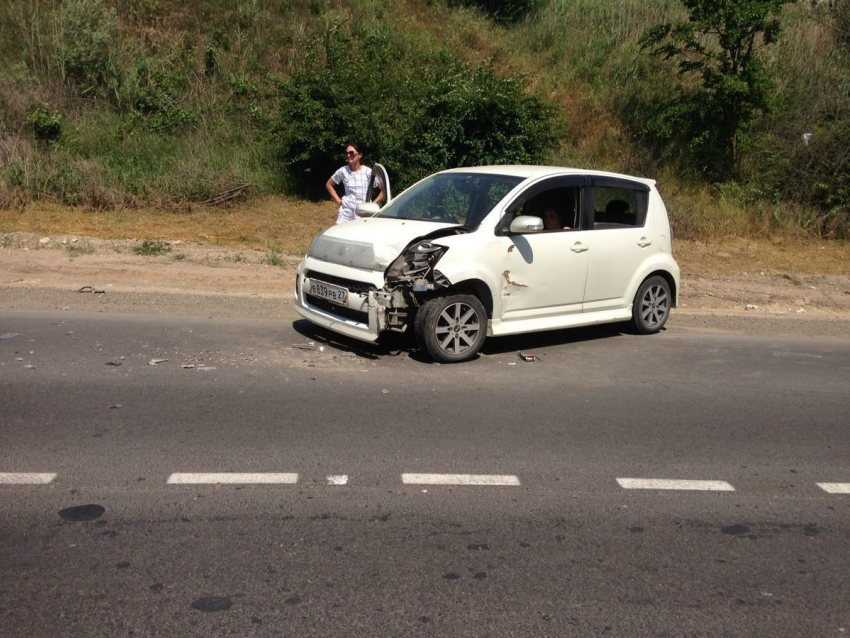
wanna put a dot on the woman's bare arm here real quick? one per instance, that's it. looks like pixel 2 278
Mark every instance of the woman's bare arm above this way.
pixel 332 191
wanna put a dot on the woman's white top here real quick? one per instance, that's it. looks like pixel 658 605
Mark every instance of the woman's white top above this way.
pixel 356 184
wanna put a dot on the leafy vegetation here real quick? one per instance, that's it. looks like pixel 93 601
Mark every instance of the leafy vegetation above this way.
pixel 46 126
pixel 430 112
pixel 110 104
pixel 152 248
pixel 725 82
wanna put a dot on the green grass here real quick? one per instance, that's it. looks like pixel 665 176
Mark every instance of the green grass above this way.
pixel 152 248
pixel 274 258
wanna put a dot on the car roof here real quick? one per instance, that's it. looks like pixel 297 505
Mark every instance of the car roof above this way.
pixel 529 172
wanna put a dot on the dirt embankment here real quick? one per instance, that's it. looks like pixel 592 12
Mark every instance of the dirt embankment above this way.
pixel 38 272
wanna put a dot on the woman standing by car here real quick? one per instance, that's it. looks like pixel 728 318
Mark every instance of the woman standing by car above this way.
pixel 355 178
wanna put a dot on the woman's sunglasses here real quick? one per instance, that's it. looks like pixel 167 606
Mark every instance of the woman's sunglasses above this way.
pixel 351 153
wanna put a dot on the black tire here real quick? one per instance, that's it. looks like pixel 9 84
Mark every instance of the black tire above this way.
pixel 651 306
pixel 451 329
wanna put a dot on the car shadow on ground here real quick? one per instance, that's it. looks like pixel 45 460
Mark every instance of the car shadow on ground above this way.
pixel 531 341
pixel 389 345
pixel 394 344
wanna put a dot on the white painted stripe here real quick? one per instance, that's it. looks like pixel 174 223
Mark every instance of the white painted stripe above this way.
pixel 459 479
pixel 230 478
pixel 340 479
pixel 24 478
pixel 835 488
pixel 674 484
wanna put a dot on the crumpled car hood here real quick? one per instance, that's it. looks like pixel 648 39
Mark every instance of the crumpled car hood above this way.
pixel 371 243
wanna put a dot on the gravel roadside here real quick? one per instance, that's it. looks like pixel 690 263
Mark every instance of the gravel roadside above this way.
pixel 207 280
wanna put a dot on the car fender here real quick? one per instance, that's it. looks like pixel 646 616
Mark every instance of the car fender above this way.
pixel 659 262
pixel 462 271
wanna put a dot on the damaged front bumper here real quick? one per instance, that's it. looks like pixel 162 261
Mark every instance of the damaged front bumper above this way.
pixel 372 305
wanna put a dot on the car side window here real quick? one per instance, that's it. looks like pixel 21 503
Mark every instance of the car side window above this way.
pixel 618 207
pixel 559 208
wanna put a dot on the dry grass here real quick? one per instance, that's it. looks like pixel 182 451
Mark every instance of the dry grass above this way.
pixel 736 255
pixel 287 226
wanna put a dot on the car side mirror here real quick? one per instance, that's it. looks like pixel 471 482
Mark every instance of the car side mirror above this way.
pixel 526 224
pixel 367 209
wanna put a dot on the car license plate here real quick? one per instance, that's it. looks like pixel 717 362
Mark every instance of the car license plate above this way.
pixel 335 294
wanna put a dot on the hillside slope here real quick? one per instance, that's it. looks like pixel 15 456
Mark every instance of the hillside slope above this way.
pixel 111 104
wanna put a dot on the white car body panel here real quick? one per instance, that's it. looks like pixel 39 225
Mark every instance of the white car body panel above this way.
pixel 529 288
pixel 387 237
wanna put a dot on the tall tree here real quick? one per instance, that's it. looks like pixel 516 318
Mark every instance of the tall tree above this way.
pixel 724 81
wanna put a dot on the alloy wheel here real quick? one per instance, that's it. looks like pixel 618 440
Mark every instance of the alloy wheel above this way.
pixel 457 328
pixel 654 306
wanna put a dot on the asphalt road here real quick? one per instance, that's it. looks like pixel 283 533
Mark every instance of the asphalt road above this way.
pixel 563 549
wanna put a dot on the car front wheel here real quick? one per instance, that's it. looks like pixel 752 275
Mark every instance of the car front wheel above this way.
pixel 652 305
pixel 452 328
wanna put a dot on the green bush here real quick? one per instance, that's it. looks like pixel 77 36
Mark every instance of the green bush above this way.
pixel 724 81
pixel 46 126
pixel 503 11
pixel 416 112
pixel 88 32
pixel 814 173
pixel 154 90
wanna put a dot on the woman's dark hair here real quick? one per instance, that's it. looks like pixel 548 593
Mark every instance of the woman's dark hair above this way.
pixel 357 147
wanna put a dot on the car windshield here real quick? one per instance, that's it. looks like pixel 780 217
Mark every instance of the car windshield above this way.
pixel 452 198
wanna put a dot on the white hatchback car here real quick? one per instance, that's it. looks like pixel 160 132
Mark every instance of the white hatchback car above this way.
pixel 495 250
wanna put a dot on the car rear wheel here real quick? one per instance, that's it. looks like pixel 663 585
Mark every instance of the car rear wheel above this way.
pixel 652 305
pixel 451 329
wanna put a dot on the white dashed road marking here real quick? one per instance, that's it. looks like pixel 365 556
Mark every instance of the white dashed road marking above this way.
pixel 231 478
pixel 459 479
pixel 835 488
pixel 24 478
pixel 674 484
pixel 272 478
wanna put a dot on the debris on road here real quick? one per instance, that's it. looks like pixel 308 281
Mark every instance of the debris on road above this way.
pixel 385 391
pixel 206 368
pixel 187 366
pixel 92 289
pixel 304 346
pixel 114 363
pixel 751 306
pixel 154 362
pixel 527 357
pixel 9 335
pixel 115 406
pixel 30 366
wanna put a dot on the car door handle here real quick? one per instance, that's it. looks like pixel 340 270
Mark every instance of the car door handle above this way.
pixel 643 242
pixel 578 247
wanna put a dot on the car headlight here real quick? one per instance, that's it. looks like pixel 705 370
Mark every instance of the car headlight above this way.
pixel 417 261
